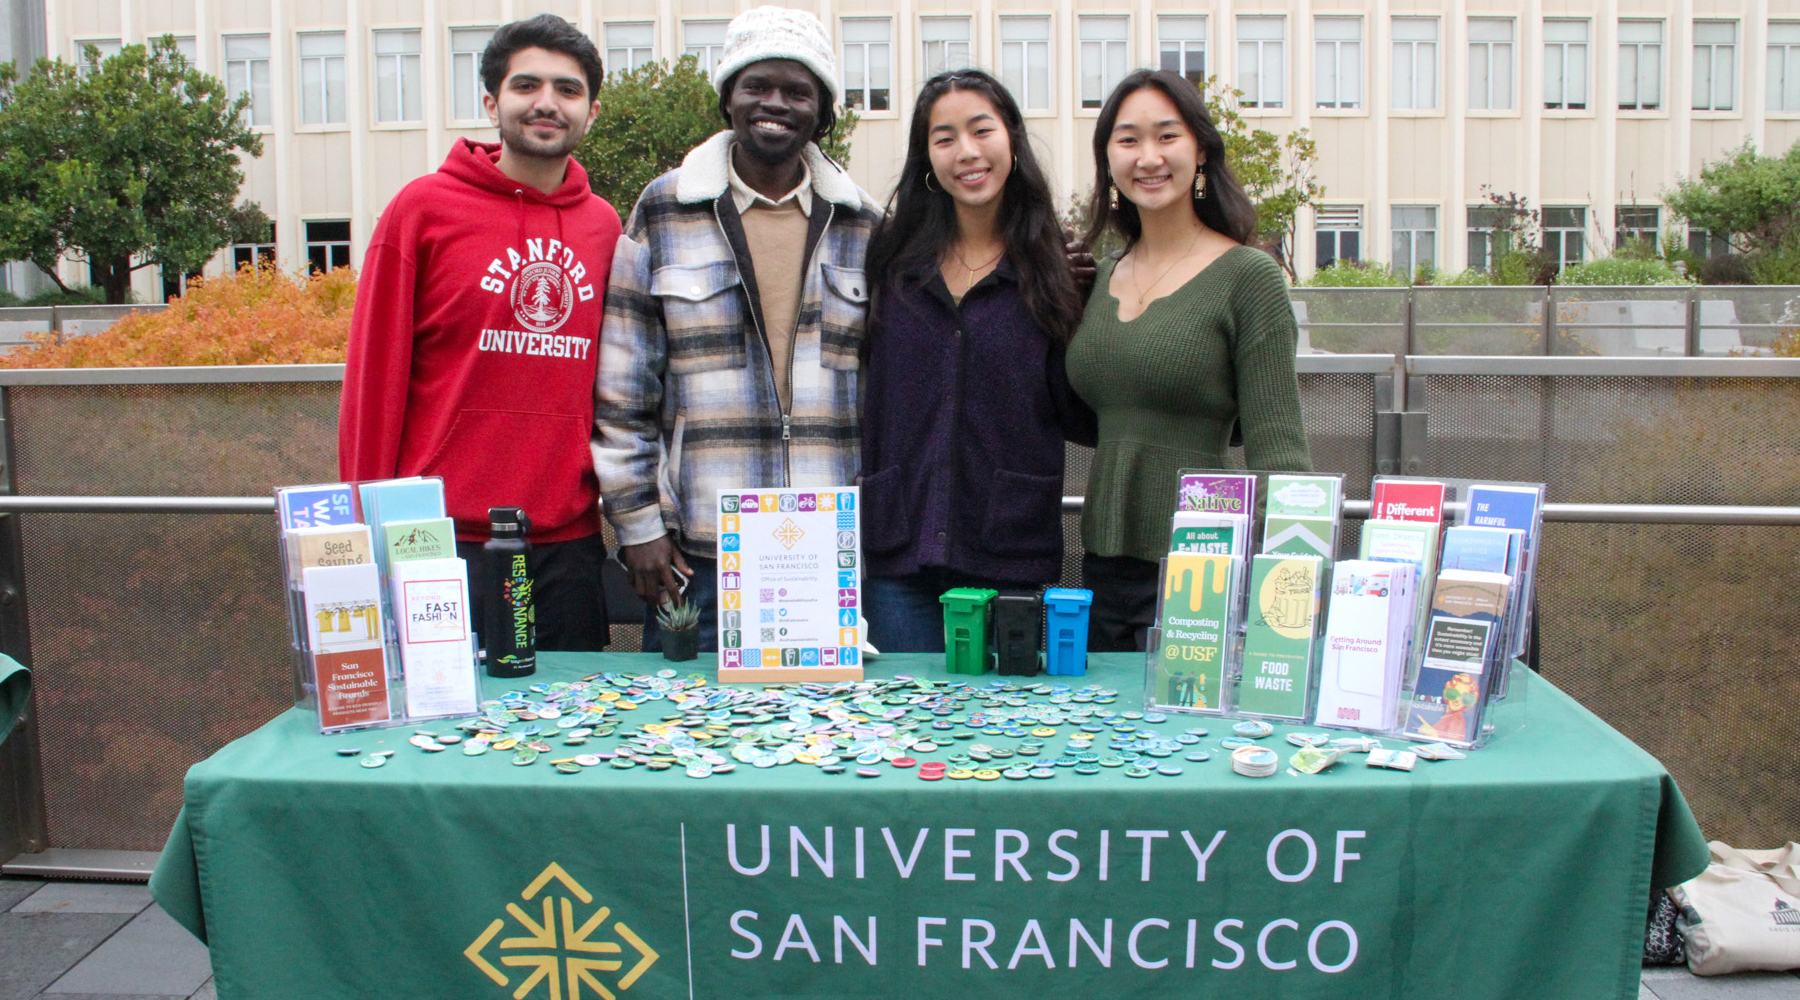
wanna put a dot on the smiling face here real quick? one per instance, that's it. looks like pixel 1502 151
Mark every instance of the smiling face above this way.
pixel 971 154
pixel 1152 153
pixel 774 109
pixel 543 107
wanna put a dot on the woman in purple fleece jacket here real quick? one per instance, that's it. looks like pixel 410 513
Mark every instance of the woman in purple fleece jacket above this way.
pixel 966 402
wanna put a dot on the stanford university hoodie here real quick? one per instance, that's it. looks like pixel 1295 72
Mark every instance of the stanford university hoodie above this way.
pixel 473 344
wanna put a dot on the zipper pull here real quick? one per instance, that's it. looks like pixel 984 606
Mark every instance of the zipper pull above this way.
pixel 786 430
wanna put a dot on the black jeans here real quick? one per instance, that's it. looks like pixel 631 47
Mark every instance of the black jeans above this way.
pixel 566 591
pixel 1125 591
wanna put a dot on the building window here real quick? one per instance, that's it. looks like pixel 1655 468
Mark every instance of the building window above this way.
pixel 1181 44
pixel 466 88
pixel 1337 234
pixel 1103 56
pixel 247 73
pixel 108 47
pixel 1337 62
pixel 868 70
pixel 322 78
pixel 629 44
pixel 943 44
pixel 1415 239
pixel 1564 230
pixel 261 253
pixel 1491 63
pixel 399 79
pixel 1483 236
pixel 328 245
pixel 1715 65
pixel 1415 81
pixel 1025 60
pixel 1636 223
pixel 1565 65
pixel 704 40
pixel 1784 66
pixel 1707 244
pixel 1262 68
pixel 187 48
pixel 1640 65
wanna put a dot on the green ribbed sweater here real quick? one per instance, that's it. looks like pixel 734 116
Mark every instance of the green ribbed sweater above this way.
pixel 1167 386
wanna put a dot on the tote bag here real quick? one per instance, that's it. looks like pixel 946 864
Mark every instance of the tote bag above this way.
pixel 1743 912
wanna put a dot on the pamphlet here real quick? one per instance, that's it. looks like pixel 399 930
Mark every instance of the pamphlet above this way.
pixel 1407 500
pixel 312 506
pixel 1195 617
pixel 1367 632
pixel 1218 493
pixel 789 584
pixel 1519 508
pixel 431 601
pixel 1279 640
pixel 1208 534
pixel 430 538
pixel 1447 701
pixel 343 612
pixel 327 545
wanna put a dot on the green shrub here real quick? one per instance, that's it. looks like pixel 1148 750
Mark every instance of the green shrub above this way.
pixel 1621 271
pixel 1355 274
pixel 1471 276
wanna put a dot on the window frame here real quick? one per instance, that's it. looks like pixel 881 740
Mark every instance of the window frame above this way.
pixel 1413 61
pixel 1564 232
pixel 1259 107
pixel 1733 104
pixel 401 69
pixel 1788 78
pixel 1662 40
pixel 868 90
pixel 308 243
pixel 1327 223
pixel 1338 75
pixel 1023 93
pixel 1105 54
pixel 1413 235
pixel 927 69
pixel 1567 107
pixel 453 55
pixel 108 46
pixel 264 108
pixel 1185 47
pixel 631 62
pixel 1511 44
pixel 326 123
pixel 709 59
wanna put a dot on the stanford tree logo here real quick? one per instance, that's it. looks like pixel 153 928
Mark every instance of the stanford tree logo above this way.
pixel 542 296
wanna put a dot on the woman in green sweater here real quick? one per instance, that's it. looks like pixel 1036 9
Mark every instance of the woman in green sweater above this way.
pixel 1187 333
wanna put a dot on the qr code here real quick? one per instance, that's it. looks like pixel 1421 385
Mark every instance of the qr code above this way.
pixel 768 635
pixel 767 616
pixel 768 594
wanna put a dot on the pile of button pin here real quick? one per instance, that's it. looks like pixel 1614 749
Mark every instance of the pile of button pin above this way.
pixel 868 728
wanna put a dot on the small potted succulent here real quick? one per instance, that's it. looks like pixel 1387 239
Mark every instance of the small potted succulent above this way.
pixel 679 622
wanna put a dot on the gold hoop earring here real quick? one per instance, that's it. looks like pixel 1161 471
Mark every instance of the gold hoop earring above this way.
pixel 1112 197
pixel 1199 185
pixel 928 187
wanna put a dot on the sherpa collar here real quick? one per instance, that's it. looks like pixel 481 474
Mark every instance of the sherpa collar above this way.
pixel 704 176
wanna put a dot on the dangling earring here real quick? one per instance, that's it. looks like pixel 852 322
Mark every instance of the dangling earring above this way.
pixel 1112 197
pixel 928 187
pixel 1199 184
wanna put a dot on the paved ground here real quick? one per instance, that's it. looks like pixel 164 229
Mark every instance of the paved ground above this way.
pixel 108 941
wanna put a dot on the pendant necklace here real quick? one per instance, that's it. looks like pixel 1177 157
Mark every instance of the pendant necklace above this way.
pixel 969 282
pixel 1143 291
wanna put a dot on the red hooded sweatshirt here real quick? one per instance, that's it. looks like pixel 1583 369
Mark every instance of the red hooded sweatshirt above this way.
pixel 473 345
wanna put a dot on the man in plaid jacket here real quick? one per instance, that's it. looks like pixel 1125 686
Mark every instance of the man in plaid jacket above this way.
pixel 734 317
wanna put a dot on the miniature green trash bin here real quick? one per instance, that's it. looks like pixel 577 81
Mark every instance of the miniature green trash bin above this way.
pixel 967 613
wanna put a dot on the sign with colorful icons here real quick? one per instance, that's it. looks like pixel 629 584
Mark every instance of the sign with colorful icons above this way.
pixel 790 585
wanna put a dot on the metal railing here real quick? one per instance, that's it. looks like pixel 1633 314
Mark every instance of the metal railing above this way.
pixel 136 559
pixel 19 323
pixel 1557 321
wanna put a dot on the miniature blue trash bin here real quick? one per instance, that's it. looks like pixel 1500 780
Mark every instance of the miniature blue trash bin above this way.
pixel 1066 630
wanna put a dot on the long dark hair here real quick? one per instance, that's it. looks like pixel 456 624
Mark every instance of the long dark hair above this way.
pixel 921 221
pixel 1225 209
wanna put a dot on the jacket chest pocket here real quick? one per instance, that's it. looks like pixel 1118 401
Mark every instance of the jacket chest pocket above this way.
pixel 842 314
pixel 703 315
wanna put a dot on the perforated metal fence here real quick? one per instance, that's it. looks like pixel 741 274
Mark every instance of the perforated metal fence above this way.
pixel 158 638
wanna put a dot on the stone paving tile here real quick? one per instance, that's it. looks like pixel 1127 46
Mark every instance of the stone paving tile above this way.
pixel 152 955
pixel 86 897
pixel 39 947
pixel 1680 984
pixel 14 889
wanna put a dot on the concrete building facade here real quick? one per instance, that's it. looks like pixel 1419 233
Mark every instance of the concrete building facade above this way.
pixel 1590 109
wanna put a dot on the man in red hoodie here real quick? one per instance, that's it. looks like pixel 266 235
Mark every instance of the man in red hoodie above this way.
pixel 472 348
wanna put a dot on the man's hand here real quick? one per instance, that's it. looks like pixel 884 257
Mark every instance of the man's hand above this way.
pixel 1081 263
pixel 656 569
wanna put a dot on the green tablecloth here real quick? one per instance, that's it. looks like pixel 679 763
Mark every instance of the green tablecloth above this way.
pixel 1521 872
pixel 15 693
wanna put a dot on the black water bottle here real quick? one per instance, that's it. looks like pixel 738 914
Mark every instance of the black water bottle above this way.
pixel 509 624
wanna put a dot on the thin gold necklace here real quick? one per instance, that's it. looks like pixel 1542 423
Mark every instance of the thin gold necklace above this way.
pixel 969 282
pixel 1142 291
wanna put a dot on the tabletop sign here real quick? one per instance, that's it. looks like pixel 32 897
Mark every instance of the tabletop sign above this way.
pixel 790 585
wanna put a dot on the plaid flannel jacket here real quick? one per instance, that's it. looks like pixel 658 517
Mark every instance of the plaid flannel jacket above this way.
pixel 684 396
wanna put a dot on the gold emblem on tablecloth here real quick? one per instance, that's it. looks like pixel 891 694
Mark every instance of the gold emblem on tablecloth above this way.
pixel 554 948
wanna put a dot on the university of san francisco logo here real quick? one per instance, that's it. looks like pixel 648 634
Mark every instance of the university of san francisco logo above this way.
pixel 555 949
pixel 542 296
pixel 789 534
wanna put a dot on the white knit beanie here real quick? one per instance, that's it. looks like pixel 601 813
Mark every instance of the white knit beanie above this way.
pixel 778 33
